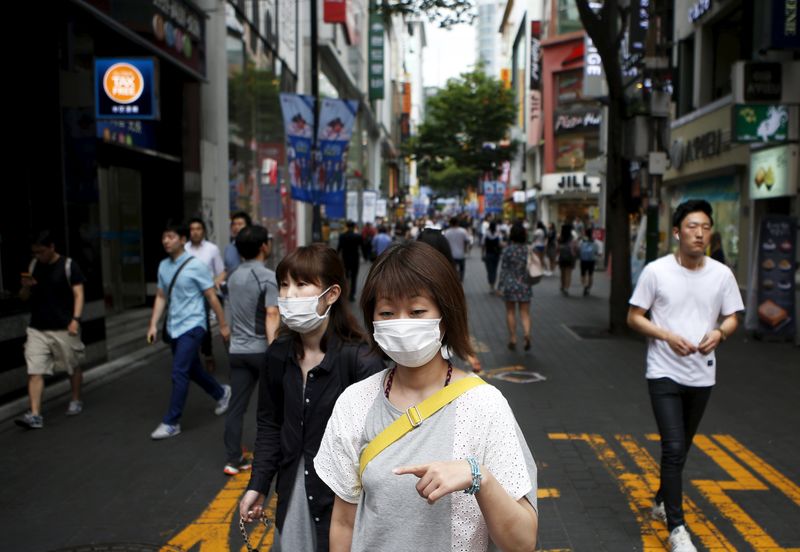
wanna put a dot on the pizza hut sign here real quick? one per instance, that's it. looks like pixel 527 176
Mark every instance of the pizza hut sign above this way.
pixel 577 121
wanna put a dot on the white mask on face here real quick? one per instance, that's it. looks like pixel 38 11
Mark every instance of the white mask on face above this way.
pixel 410 342
pixel 300 313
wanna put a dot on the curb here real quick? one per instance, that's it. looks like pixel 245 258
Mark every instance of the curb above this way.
pixel 93 377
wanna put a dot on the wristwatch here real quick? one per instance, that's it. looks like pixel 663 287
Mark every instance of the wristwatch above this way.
pixel 723 335
pixel 77 319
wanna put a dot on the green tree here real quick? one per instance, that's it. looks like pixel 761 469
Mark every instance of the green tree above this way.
pixel 464 125
pixel 445 13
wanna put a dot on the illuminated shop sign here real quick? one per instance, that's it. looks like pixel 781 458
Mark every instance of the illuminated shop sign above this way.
pixel 125 89
pixel 773 172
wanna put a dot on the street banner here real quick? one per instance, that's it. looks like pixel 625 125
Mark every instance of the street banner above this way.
pixel 380 208
pixel 352 206
pixel 777 246
pixel 298 122
pixel 494 193
pixel 337 118
pixel 368 201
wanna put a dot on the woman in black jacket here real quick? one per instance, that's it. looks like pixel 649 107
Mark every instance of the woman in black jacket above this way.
pixel 319 352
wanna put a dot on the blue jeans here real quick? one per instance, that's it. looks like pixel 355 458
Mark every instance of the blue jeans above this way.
pixel 186 365
pixel 678 410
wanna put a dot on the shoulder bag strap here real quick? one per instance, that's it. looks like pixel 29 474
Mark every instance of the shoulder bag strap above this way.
pixel 414 417
pixel 172 284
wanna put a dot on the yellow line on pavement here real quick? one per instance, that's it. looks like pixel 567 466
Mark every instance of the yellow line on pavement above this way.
pixel 633 486
pixel 503 370
pixel 711 537
pixel 212 529
pixel 776 478
pixel 548 493
pixel 741 480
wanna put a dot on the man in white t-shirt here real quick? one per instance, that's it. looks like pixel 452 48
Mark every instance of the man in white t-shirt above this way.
pixel 687 294
pixel 198 246
pixel 459 240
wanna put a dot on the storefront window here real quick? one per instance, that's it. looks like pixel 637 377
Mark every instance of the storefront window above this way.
pixel 572 151
pixel 569 18
pixel 723 195
pixel 568 87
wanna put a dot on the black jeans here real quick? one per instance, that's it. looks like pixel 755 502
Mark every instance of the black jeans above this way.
pixel 351 271
pixel 678 410
pixel 491 260
pixel 244 377
pixel 460 267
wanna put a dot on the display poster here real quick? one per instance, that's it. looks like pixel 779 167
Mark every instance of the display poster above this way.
pixel 776 282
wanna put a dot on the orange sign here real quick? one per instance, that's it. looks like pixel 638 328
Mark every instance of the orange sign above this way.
pixel 123 83
pixel 505 76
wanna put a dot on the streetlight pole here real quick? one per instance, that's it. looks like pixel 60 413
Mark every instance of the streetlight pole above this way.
pixel 316 220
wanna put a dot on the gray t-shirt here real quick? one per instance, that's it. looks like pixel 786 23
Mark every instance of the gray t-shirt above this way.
pixel 251 288
pixel 298 529
pixel 479 423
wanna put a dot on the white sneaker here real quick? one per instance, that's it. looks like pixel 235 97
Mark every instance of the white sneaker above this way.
pixel 680 541
pixel 658 512
pixel 165 431
pixel 74 408
pixel 224 402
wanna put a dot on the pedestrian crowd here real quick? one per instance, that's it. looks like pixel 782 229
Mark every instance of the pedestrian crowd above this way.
pixel 372 428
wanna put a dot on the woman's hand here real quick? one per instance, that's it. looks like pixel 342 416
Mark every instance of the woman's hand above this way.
pixel 251 506
pixel 438 479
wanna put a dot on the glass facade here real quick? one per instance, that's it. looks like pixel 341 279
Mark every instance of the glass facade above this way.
pixel 569 20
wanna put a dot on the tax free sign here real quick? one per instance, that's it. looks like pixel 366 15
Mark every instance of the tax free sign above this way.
pixel 125 89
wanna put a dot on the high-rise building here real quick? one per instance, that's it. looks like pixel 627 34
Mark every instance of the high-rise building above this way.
pixel 487 37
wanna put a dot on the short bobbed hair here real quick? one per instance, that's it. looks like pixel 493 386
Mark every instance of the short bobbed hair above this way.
pixel 413 268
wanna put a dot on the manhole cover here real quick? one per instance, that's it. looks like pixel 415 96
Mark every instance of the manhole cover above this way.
pixel 590 332
pixel 121 547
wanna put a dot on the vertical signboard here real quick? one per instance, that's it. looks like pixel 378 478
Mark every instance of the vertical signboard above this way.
pixel 535 83
pixel 639 24
pixel 594 79
pixel 776 266
pixel 336 120
pixel 369 199
pixel 376 70
pixel 298 120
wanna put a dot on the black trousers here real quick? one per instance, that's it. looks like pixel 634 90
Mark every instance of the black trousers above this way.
pixel 678 410
pixel 351 271
pixel 244 378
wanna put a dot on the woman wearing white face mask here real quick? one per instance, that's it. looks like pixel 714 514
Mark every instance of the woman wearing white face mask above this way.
pixel 319 351
pixel 423 456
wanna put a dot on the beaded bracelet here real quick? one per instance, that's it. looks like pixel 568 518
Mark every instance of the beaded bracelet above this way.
pixel 476 476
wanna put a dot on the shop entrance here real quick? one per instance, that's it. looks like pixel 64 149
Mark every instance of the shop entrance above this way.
pixel 121 233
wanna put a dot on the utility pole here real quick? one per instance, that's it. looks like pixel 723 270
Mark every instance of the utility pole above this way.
pixel 316 220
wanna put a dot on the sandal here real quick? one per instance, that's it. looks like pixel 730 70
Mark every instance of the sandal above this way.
pixel 512 346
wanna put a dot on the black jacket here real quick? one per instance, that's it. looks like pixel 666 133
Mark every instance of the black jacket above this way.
pixel 291 423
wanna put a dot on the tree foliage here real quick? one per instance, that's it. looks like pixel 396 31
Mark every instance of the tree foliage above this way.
pixel 444 13
pixel 464 124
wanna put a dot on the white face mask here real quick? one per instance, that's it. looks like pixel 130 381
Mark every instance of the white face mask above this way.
pixel 409 342
pixel 300 313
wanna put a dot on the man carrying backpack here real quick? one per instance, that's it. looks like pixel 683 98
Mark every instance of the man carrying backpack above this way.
pixel 589 251
pixel 54 286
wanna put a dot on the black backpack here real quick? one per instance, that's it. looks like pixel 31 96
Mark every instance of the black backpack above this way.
pixel 565 254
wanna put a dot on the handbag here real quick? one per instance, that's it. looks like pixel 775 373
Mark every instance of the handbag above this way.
pixel 414 416
pixel 533 270
pixel 165 337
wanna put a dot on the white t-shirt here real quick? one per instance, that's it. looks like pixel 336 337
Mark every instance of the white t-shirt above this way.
pixel 458 238
pixel 209 254
pixel 688 303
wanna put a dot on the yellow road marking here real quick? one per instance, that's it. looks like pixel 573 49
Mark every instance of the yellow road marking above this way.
pixel 548 493
pixel 711 537
pixel 633 487
pixel 776 478
pixel 212 529
pixel 741 480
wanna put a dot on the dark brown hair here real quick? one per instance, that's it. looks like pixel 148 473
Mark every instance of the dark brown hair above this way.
pixel 320 265
pixel 415 268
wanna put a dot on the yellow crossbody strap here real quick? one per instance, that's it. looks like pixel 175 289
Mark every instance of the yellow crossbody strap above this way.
pixel 414 417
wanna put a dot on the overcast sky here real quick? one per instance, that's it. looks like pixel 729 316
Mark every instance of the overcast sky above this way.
pixel 449 53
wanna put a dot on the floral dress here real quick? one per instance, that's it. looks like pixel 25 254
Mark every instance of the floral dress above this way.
pixel 514 271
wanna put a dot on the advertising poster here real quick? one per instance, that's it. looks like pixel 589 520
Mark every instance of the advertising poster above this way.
pixel 494 193
pixel 298 121
pixel 776 285
pixel 368 201
pixel 760 123
pixel 774 172
pixel 336 119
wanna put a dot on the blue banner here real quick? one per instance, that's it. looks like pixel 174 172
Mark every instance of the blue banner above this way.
pixel 298 121
pixel 337 118
pixel 494 193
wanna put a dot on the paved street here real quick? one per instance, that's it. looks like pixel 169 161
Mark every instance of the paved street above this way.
pixel 99 479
